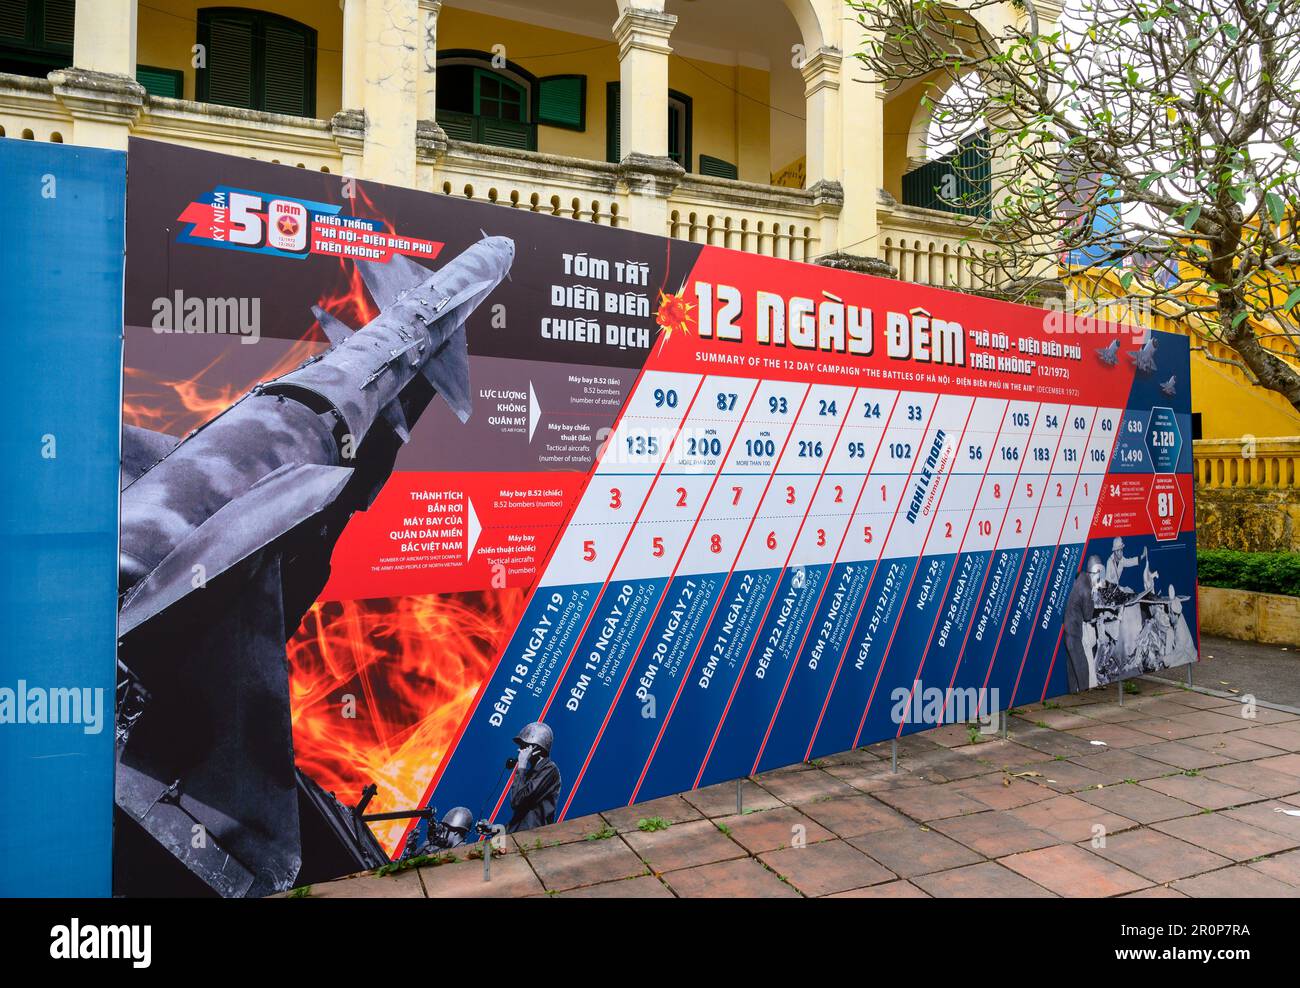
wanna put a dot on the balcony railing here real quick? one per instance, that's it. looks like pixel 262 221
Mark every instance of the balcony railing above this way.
pixel 1222 464
pixel 926 246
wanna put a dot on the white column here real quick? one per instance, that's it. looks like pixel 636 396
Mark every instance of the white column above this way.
pixel 391 97
pixel 104 40
pixel 354 54
pixel 861 147
pixel 642 34
pixel 428 85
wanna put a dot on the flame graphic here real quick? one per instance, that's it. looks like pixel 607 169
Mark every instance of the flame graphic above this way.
pixel 412 666
pixel 674 313
pixel 178 406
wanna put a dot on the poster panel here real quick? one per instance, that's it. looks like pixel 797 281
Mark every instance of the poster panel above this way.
pixel 441 517
pixel 63 211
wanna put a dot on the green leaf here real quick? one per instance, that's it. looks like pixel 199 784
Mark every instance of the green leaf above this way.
pixel 1291 300
pixel 1192 216
pixel 1276 207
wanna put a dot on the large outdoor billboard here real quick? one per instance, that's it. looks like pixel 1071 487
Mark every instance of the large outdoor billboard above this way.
pixel 431 503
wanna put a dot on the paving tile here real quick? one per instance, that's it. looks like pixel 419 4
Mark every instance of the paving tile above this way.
pixel 512 877
pixel 1165 728
pixel 1201 791
pixel 1285 737
pixel 1158 856
pixel 1214 721
pixel 565 832
pixel 1233 747
pixel 886 890
pixel 825 868
pixel 1269 815
pixel 1256 778
pixel 949 735
pixel 1121 764
pixel 1071 871
pixel 1138 803
pixel 873 776
pixel 854 756
pixel 672 809
pixel 743 878
pixel 1267 715
pixel 1282 867
pixel 1070 818
pixel 1202 701
pixel 1225 836
pixel 804 787
pixel 1063 720
pixel 1069 776
pixel 852 816
pixel 930 802
pixel 683 845
pixel 912 851
pixel 1115 735
pixel 767 830
pixel 994 834
pixel 1113 713
pixel 1287 764
pixel 720 799
pixel 1238 882
pixel 566 866
pixel 399 885
pixel 1052 742
pixel 1002 792
pixel 641 887
pixel 1155 892
pixel 1179 755
pixel 987 880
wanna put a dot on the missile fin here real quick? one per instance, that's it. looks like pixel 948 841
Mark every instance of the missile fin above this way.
pixel 465 294
pixel 387 282
pixel 336 331
pixel 273 506
pixel 448 371
pixel 393 416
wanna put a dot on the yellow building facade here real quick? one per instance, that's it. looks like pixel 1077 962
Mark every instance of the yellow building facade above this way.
pixel 740 123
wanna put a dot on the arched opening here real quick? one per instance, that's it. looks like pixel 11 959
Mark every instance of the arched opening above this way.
pixel 487 99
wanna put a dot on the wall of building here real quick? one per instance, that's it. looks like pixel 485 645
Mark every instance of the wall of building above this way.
pixel 729 102
pixel 167 31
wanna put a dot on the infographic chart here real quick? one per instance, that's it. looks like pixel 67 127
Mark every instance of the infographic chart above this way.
pixel 552 517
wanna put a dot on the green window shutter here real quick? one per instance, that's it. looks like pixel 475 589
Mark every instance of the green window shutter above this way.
pixel 289 86
pixel 228 77
pixel 716 167
pixel 505 134
pixel 58 25
pixel 457 126
pixel 562 101
pixel 14 18
pixel 161 82
pixel 612 124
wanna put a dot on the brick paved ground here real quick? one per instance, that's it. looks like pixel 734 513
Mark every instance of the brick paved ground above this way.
pixel 1191 798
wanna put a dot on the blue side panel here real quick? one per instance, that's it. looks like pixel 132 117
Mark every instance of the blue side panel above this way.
pixel 61 249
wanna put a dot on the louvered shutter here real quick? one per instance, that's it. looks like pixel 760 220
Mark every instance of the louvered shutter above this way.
pixel 229 73
pixel 561 101
pixel 287 75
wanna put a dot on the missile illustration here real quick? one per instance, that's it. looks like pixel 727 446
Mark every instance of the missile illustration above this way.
pixel 226 538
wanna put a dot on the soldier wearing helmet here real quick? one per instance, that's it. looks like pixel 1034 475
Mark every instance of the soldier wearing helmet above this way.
pixel 443 836
pixel 535 786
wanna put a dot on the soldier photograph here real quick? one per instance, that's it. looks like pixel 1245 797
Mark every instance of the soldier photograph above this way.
pixel 535 785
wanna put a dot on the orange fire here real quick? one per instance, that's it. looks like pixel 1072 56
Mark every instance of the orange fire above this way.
pixel 674 313
pixel 378 689
pixel 178 406
pixel 412 665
